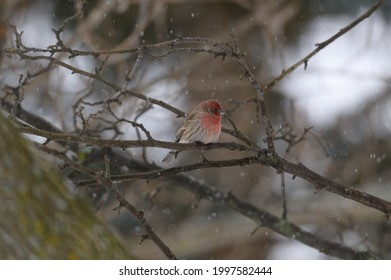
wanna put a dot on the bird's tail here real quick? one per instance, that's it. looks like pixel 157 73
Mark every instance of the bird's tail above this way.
pixel 170 156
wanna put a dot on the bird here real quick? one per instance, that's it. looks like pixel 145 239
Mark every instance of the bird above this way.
pixel 202 125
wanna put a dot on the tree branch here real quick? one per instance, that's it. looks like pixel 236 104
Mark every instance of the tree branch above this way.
pixel 281 165
pixel 125 144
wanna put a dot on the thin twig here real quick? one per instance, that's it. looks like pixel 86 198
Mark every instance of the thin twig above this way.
pixel 320 46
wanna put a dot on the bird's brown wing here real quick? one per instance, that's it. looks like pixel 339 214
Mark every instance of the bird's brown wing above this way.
pixel 190 120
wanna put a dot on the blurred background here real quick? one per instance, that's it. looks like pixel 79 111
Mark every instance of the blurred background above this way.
pixel 344 94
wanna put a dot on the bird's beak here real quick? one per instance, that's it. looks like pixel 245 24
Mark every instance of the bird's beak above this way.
pixel 222 112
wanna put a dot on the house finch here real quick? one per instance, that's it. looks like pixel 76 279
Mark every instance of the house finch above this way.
pixel 203 125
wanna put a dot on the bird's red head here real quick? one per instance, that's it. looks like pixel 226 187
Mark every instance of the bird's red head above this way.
pixel 213 107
